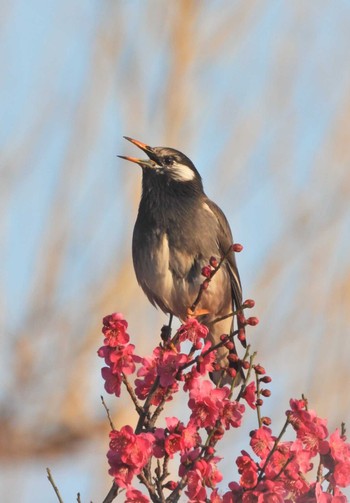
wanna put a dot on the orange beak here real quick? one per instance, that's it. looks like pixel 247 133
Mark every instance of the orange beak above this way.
pixel 153 158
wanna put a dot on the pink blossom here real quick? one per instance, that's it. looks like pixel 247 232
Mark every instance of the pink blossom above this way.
pixel 158 445
pixel 123 359
pixel 192 331
pixel 302 456
pixel 234 495
pixel 322 497
pixel 248 470
pixel 206 403
pixel 135 496
pixel 148 371
pixel 278 460
pixel 189 438
pixel 310 429
pixel 215 497
pixel 262 441
pixel 128 454
pixel 180 438
pixel 151 368
pixel 341 475
pixel 104 352
pixel 210 473
pixel 202 474
pixel 168 366
pixel 112 381
pixel 206 361
pixel 340 450
pixel 196 491
pixel 114 329
pixel 231 414
pixel 249 395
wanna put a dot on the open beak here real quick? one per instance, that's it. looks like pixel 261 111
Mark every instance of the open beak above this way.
pixel 153 158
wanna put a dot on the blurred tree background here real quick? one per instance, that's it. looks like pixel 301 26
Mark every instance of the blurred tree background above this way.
pixel 257 94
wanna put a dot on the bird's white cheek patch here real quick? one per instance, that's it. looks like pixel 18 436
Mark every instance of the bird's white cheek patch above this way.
pixel 181 173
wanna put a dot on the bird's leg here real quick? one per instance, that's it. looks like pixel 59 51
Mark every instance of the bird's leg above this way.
pixel 165 332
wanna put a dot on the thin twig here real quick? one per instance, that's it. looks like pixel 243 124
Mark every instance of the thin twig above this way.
pixel 150 487
pixel 283 468
pixel 208 280
pixel 52 482
pixel 244 385
pixel 273 449
pixel 146 406
pixel 257 380
pixel 159 409
pixel 207 351
pixel 133 397
pixel 233 384
pixel 108 414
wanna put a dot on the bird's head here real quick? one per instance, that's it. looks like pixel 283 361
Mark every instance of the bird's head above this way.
pixel 167 162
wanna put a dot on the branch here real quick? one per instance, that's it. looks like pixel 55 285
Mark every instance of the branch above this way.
pixel 52 482
pixel 108 414
pixel 113 493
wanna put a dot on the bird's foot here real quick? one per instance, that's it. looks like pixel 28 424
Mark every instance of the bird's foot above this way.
pixel 165 333
pixel 195 313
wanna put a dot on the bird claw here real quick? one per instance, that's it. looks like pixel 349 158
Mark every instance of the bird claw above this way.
pixel 195 313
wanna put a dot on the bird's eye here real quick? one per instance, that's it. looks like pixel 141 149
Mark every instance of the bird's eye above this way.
pixel 168 160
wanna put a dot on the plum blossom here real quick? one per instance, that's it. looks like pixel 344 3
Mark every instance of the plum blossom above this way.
pixel 206 403
pixel 192 331
pixel 114 329
pixel 135 496
pixel 128 454
pixel 249 395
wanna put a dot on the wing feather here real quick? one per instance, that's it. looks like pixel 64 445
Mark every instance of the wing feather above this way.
pixel 225 240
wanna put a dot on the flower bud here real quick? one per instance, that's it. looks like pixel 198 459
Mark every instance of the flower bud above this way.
pixel 232 372
pixel 223 337
pixel 237 247
pixel 249 303
pixel 233 357
pixel 171 485
pixel 205 284
pixel 245 364
pixel 241 338
pixel 213 262
pixel 259 402
pixel 241 335
pixel 252 321
pixel 229 345
pixel 259 369
pixel 210 450
pixel 266 421
pixel 265 392
pixel 265 379
pixel 206 271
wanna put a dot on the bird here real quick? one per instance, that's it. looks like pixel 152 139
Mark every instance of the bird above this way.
pixel 178 230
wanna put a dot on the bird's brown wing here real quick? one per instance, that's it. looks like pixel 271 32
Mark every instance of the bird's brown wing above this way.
pixel 225 240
